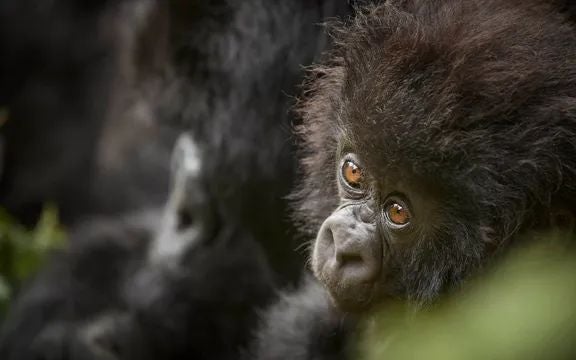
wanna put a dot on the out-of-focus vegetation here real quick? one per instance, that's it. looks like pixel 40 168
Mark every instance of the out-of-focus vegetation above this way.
pixel 23 250
pixel 526 309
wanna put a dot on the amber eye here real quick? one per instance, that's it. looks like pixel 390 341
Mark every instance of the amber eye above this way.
pixel 352 174
pixel 398 214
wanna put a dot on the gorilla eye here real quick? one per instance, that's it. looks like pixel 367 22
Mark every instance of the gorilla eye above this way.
pixel 352 174
pixel 398 214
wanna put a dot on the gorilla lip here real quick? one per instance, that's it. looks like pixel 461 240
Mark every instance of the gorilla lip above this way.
pixel 353 298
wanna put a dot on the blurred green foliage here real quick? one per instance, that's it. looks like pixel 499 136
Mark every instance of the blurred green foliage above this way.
pixel 22 250
pixel 526 309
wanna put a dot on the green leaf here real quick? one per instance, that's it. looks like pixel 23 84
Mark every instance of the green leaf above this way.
pixel 23 251
pixel 48 233
pixel 523 310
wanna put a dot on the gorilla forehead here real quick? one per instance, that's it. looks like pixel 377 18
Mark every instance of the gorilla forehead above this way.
pixel 427 91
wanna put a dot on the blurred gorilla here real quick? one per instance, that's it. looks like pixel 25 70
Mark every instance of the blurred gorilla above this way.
pixel 73 78
pixel 54 76
pixel 436 135
pixel 109 88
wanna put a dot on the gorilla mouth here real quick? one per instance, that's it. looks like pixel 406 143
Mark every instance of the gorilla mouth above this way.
pixel 351 284
pixel 353 297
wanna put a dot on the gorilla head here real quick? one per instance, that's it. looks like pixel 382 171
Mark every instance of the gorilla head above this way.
pixel 436 135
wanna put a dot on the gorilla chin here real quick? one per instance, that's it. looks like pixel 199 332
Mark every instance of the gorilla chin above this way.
pixel 353 297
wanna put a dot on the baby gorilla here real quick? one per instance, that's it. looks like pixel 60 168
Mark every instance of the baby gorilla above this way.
pixel 436 136
pixel 452 131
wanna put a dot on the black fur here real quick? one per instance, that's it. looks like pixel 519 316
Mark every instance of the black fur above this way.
pixel 304 324
pixel 488 124
pixel 468 109
pixel 54 72
pixel 223 71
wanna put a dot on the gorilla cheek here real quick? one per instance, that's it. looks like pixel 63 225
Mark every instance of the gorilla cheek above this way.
pixel 347 257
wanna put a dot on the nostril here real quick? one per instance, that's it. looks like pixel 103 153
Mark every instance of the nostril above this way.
pixel 355 264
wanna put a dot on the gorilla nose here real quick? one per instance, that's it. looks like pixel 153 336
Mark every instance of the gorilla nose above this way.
pixel 347 252
pixel 355 258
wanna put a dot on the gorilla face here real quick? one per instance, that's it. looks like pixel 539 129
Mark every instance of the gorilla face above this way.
pixel 396 234
pixel 435 136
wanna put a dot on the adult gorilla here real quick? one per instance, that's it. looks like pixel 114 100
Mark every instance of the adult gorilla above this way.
pixel 184 282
